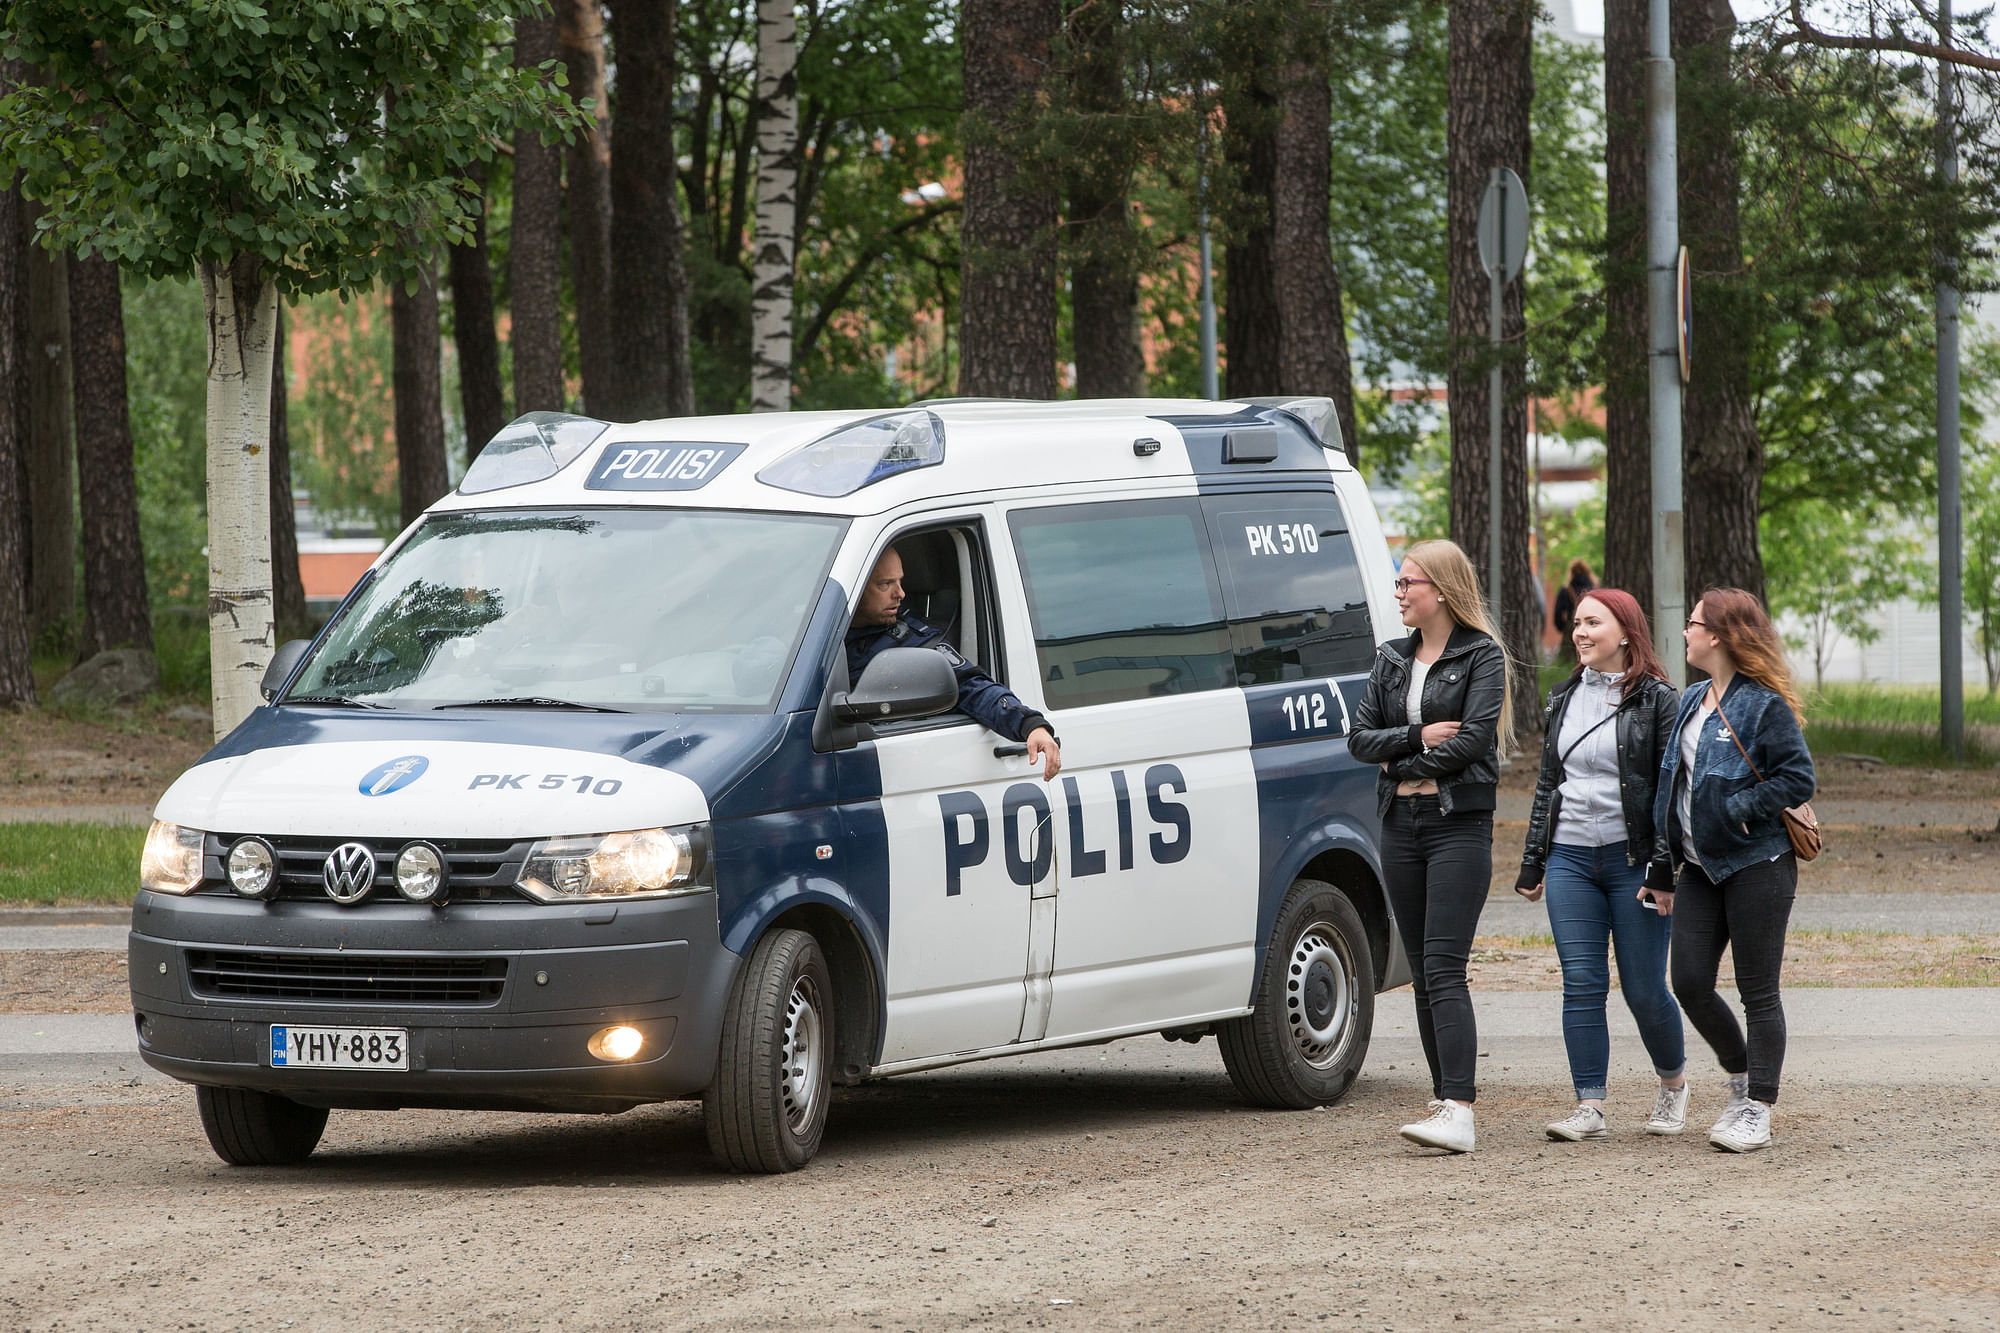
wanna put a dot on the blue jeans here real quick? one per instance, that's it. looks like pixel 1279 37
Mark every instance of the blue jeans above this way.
pixel 1593 898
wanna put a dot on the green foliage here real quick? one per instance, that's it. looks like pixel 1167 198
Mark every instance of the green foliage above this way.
pixel 69 863
pixel 166 364
pixel 342 428
pixel 1573 534
pixel 173 135
pixel 1981 499
pixel 1829 565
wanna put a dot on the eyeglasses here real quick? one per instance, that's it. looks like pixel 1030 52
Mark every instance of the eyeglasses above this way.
pixel 1404 585
pixel 1697 624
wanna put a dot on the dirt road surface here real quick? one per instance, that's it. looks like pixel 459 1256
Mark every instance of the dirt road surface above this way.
pixel 1114 1187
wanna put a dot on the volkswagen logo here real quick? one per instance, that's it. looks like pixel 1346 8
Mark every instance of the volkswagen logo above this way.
pixel 349 872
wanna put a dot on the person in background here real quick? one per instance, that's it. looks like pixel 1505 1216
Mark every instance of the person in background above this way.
pixel 1738 761
pixel 1591 847
pixel 1580 582
pixel 1432 716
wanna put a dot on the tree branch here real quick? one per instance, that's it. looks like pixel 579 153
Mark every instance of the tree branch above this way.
pixel 1805 33
pixel 879 247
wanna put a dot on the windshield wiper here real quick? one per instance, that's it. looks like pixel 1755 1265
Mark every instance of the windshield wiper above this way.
pixel 340 699
pixel 529 701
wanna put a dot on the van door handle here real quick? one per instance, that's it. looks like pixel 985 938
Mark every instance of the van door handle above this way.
pixel 1009 750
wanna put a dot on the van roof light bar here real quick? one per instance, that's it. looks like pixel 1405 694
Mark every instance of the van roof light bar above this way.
pixel 860 455
pixel 530 448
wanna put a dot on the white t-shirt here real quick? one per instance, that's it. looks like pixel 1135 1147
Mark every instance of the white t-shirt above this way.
pixel 1413 705
pixel 1684 781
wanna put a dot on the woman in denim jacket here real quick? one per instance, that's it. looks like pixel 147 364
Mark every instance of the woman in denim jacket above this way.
pixel 1719 811
pixel 1591 849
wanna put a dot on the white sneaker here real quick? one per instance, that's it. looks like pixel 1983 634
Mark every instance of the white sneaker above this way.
pixel 1670 1111
pixel 1738 1088
pixel 1746 1131
pixel 1585 1122
pixel 1449 1126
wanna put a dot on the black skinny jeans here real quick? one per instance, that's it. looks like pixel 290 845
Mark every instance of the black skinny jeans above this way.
pixel 1746 912
pixel 1438 867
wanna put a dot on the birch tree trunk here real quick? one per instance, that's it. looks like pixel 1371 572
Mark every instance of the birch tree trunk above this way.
pixel 242 323
pixel 777 120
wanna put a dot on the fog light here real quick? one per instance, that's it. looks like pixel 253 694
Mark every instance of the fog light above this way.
pixel 253 868
pixel 620 1043
pixel 420 873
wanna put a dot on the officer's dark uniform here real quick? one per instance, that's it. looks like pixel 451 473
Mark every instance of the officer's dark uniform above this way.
pixel 980 696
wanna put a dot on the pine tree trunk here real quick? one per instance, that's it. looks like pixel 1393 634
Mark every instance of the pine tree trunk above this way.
pixel 1491 90
pixel 1007 291
pixel 534 255
pixel 777 120
pixel 420 457
pixel 115 610
pixel 480 395
pixel 587 197
pixel 1628 436
pixel 17 674
pixel 242 327
pixel 1103 250
pixel 51 450
pixel 288 589
pixel 649 299
pixel 1252 326
pixel 1724 456
pixel 1312 348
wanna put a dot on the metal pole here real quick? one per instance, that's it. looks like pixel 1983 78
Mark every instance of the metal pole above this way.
pixel 1663 246
pixel 1951 537
pixel 1210 383
pixel 1495 384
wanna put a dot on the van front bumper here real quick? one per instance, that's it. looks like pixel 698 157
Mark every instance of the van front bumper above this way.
pixel 499 999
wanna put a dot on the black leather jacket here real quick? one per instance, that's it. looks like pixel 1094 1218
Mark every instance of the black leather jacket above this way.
pixel 1466 684
pixel 1644 723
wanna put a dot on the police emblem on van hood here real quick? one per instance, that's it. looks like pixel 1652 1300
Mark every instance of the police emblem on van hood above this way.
pixel 469 789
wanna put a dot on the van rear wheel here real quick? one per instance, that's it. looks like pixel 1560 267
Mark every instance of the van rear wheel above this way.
pixel 249 1128
pixel 1315 1006
pixel 766 1109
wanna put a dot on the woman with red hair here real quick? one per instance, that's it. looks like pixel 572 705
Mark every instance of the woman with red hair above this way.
pixel 1591 848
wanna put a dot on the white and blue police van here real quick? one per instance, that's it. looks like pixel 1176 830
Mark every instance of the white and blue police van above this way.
pixel 573 807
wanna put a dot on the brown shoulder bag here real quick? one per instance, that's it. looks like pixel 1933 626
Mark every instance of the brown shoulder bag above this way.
pixel 1801 824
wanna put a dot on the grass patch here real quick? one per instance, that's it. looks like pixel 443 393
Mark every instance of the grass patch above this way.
pixel 69 863
pixel 1901 744
pixel 1900 705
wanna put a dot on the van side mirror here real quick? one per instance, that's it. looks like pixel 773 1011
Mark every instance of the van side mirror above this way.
pixel 283 663
pixel 900 683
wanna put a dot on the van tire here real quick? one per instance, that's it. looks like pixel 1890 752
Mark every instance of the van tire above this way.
pixel 249 1128
pixel 766 1109
pixel 1315 1006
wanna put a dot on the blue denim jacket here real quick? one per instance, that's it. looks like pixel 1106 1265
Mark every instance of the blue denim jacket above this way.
pixel 1736 818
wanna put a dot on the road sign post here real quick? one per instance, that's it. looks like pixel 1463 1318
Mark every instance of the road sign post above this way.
pixel 1503 246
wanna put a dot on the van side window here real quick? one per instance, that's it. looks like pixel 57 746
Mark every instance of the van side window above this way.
pixel 1297 608
pixel 1124 601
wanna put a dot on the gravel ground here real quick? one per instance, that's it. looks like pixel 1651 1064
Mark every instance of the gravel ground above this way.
pixel 1112 1187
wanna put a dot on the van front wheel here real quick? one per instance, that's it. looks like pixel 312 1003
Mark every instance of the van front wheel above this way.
pixel 248 1128
pixel 766 1109
pixel 1315 1006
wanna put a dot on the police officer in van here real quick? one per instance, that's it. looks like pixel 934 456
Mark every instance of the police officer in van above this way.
pixel 881 622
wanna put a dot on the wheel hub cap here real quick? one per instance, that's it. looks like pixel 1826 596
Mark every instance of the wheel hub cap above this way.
pixel 803 1054
pixel 1319 996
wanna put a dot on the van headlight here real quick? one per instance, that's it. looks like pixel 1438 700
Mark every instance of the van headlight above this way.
pixel 171 862
pixel 642 863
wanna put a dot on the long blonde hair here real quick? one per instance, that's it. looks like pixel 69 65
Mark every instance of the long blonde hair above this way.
pixel 1737 618
pixel 1458 583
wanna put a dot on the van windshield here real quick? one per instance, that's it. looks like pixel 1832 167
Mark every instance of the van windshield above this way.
pixel 637 610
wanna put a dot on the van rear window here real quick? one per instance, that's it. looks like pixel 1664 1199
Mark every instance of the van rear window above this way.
pixel 1297 609
pixel 1124 601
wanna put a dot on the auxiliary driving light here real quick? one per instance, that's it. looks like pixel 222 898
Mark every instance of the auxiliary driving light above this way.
pixel 619 1043
pixel 253 868
pixel 420 873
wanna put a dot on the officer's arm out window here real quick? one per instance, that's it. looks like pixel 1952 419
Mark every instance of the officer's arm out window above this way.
pixel 1297 608
pixel 632 609
pixel 1124 601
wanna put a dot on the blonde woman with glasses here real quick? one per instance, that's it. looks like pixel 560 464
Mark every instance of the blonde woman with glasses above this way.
pixel 1433 715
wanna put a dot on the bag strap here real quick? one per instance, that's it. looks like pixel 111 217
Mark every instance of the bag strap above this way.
pixel 1562 760
pixel 1739 741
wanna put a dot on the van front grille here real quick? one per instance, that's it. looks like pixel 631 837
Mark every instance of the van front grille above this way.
pixel 349 978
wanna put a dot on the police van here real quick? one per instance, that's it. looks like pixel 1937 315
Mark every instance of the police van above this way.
pixel 572 805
